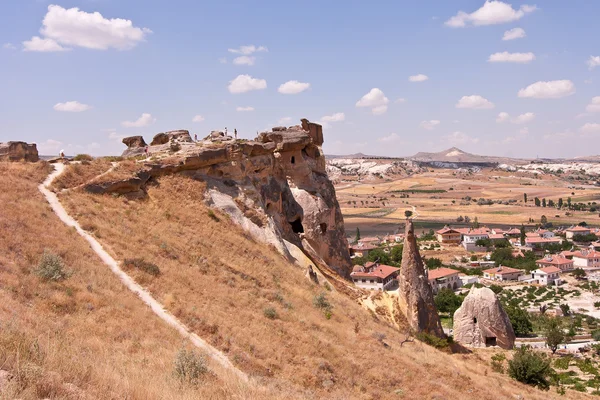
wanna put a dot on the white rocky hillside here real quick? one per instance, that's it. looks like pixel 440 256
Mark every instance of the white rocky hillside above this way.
pixel 340 169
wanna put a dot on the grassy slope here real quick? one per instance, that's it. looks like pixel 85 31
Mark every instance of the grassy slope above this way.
pixel 218 281
pixel 87 331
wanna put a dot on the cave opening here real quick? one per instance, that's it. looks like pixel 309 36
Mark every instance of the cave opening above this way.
pixel 297 225
pixel 323 227
pixel 293 160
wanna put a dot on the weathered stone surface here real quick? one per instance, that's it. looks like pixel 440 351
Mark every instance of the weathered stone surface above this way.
pixel 134 141
pixel 481 321
pixel 165 137
pixel 315 131
pixel 18 151
pixel 415 291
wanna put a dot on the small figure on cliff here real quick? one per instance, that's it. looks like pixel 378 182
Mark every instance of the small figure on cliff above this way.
pixel 195 137
pixel 62 154
pixel 225 131
pixel 146 151
pixel 235 133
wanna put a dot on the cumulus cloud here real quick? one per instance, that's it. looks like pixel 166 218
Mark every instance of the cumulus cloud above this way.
pixel 593 62
pixel 524 118
pixel 594 106
pixel 243 109
pixel 429 125
pixel 198 118
pixel 244 60
pixel 71 106
pixel 247 50
pixel 375 100
pixel 392 137
pixel 400 100
pixel 548 90
pixel 515 33
pixel 474 102
pixel 524 131
pixel 460 138
pixel 502 117
pixel 293 87
pixel 145 120
pixel 337 117
pixel 42 45
pixel 491 13
pixel 72 27
pixel 49 146
pixel 246 83
pixel 522 58
pixel 590 128
pixel 418 78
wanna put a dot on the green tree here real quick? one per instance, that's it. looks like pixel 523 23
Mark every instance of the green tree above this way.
pixel 523 235
pixel 543 202
pixel 380 256
pixel 487 243
pixel 544 219
pixel 357 234
pixel 530 367
pixel 475 223
pixel 525 197
pixel 554 333
pixel 560 202
pixel 396 254
pixel 568 202
pixel 578 273
pixel 551 203
pixel 520 320
pixel 433 263
pixel 446 301
pixel 408 213
pixel 537 202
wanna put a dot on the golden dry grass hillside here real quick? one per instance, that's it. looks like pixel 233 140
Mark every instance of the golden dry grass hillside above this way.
pixel 261 311
pixel 85 337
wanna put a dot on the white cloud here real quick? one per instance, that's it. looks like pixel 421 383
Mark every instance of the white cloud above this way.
pixel 113 135
pixel 392 137
pixel 460 138
pixel 8 46
pixel 293 87
pixel 337 117
pixel 475 102
pixel 418 78
pixel 49 146
pixel 247 50
pixel 72 27
pixel 524 118
pixel 71 106
pixel 429 125
pixel 242 109
pixel 524 131
pixel 522 58
pixel 593 62
pixel 42 45
pixel 198 118
pixel 515 33
pixel 244 60
pixel 594 106
pixel 145 120
pixel 491 13
pixel 375 100
pixel 284 120
pixel 246 83
pixel 548 90
pixel 400 100
pixel 590 128
pixel 502 117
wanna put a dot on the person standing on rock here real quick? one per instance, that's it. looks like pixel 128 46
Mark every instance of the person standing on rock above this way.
pixel 195 137
pixel 235 133
pixel 146 151
pixel 62 154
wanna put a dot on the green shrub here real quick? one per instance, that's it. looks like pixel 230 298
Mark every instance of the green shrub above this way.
pixel 212 215
pixel 530 367
pixel 189 367
pixel 270 313
pixel 433 340
pixel 142 265
pixel 563 362
pixel 320 301
pixel 83 157
pixel 51 267
pixel 498 362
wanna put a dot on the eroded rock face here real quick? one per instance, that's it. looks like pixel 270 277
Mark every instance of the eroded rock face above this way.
pixel 136 146
pixel 275 187
pixel 18 151
pixel 165 137
pixel 481 321
pixel 415 291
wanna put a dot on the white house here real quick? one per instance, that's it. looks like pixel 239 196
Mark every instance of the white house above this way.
pixel 374 276
pixel 546 276
pixel 586 259
pixel 502 274
pixel 576 230
pixel 471 237
pixel 559 261
pixel 441 278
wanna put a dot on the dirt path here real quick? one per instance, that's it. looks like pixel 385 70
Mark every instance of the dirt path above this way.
pixel 144 295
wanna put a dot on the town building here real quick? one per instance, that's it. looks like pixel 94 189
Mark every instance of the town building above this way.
pixel 448 235
pixel 361 249
pixel 586 259
pixel 576 230
pixel 547 276
pixel 374 276
pixel 502 274
pixel 471 237
pixel 557 260
pixel 441 278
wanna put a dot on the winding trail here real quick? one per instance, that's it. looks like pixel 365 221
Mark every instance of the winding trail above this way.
pixel 144 295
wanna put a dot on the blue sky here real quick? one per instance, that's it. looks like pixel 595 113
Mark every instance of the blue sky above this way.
pixel 165 64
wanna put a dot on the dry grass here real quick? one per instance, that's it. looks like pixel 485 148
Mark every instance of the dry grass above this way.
pixel 123 170
pixel 219 282
pixel 86 336
pixel 76 174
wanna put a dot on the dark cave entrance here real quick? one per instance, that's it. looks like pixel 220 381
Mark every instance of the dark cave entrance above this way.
pixel 293 160
pixel 297 225
pixel 323 227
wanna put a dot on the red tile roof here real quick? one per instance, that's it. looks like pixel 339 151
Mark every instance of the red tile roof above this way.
pixel 446 230
pixel 555 260
pixel 502 270
pixel 578 229
pixel 549 270
pixel 586 254
pixel 542 240
pixel 496 236
pixel 372 270
pixel 360 246
pixel 441 273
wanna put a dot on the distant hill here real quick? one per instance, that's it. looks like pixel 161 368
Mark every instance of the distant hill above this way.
pixel 456 155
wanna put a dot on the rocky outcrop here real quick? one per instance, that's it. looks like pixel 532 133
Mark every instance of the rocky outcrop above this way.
pixel 136 146
pixel 18 151
pixel 416 294
pixel 165 137
pixel 275 187
pixel 481 321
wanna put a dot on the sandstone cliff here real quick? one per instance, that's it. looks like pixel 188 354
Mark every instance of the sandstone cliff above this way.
pixel 18 151
pixel 415 291
pixel 481 321
pixel 275 186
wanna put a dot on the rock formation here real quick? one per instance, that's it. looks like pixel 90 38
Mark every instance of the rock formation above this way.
pixel 164 138
pixel 135 146
pixel 481 321
pixel 275 187
pixel 18 151
pixel 415 292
